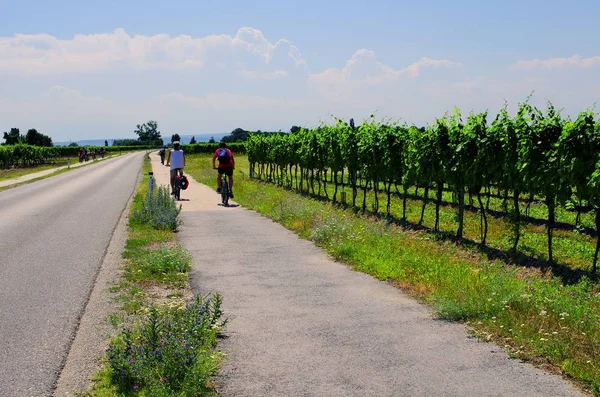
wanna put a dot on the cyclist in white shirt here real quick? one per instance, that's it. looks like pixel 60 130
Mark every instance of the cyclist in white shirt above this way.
pixel 176 160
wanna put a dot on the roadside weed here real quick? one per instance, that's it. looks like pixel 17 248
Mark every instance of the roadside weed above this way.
pixel 159 210
pixel 170 352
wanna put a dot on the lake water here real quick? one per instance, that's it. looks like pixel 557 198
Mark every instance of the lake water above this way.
pixel 184 140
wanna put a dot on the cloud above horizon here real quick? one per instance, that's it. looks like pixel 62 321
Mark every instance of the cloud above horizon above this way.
pixel 575 61
pixel 87 84
pixel 45 54
pixel 364 66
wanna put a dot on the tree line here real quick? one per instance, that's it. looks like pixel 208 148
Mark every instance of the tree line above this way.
pixel 32 137
pixel 148 135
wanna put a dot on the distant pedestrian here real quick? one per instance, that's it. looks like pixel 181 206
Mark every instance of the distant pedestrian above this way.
pixel 161 153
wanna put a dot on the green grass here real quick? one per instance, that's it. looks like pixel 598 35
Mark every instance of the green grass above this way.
pixel 154 258
pixel 531 313
pixel 573 251
pixel 61 171
pixel 145 249
pixel 19 172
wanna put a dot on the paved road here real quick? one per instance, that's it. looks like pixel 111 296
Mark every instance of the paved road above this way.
pixel 53 236
pixel 303 325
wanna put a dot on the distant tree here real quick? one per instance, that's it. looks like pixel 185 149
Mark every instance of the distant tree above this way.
pixel 105 142
pixel 128 142
pixel 148 133
pixel 73 144
pixel 294 129
pixel 237 135
pixel 211 140
pixel 33 137
pixel 193 140
pixel 13 137
pixel 175 137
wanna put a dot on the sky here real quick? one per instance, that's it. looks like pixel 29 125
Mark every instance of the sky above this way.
pixel 81 69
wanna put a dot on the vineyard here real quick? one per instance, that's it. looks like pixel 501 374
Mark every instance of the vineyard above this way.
pixel 209 148
pixel 23 155
pixel 500 172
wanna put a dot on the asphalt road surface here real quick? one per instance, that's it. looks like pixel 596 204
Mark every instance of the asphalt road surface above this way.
pixel 54 234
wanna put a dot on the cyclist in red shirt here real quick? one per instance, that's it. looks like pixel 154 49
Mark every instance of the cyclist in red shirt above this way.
pixel 226 166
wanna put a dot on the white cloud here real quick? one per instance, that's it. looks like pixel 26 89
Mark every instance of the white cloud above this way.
pixel 45 54
pixel 253 75
pixel 556 63
pixel 64 93
pixel 365 86
pixel 414 69
pixel 364 67
pixel 102 85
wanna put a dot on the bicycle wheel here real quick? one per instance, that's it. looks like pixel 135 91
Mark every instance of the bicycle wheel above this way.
pixel 224 192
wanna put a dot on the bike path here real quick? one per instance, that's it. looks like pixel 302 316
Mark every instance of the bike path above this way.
pixel 302 324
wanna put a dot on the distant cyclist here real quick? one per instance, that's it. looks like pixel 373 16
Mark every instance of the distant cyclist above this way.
pixel 162 153
pixel 176 160
pixel 226 166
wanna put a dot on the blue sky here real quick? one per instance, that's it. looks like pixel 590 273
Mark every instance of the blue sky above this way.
pixel 82 70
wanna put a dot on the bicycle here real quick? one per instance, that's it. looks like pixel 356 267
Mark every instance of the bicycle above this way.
pixel 177 185
pixel 224 189
pixel 177 189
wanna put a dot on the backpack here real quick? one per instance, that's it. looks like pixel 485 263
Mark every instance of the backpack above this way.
pixel 223 156
pixel 183 182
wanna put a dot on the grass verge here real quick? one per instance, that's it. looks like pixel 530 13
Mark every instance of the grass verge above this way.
pixel 6 174
pixel 165 341
pixel 60 167
pixel 532 314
